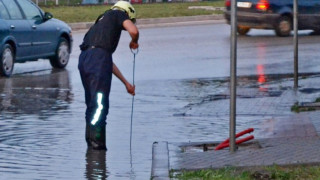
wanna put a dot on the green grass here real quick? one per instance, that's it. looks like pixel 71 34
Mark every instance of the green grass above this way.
pixel 72 14
pixel 273 172
pixel 61 2
pixel 295 107
pixel 223 174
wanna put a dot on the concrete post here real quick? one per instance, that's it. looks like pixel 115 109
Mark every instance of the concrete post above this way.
pixel 295 42
pixel 233 75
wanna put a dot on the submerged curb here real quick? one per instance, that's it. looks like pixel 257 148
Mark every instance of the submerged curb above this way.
pixel 160 161
pixel 164 22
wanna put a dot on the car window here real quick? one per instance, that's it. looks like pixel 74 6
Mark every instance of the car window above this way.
pixel 3 12
pixel 14 10
pixel 30 10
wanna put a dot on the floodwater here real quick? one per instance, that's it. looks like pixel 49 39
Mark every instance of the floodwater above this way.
pixel 182 90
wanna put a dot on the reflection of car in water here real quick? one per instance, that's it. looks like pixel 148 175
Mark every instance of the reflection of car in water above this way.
pixel 28 33
pixel 275 14
pixel 35 94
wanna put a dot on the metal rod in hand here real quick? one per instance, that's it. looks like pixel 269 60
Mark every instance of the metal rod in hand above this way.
pixel 134 52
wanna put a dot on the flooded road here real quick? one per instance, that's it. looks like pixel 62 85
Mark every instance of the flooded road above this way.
pixel 181 95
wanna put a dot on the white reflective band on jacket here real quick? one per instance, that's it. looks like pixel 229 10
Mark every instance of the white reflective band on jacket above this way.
pixel 98 111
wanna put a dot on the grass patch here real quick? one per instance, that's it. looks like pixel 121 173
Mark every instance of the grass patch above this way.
pixel 225 174
pixel 63 3
pixel 273 172
pixel 295 173
pixel 295 107
pixel 71 14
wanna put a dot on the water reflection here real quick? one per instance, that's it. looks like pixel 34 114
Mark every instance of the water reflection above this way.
pixel 261 75
pixel 261 68
pixel 96 165
pixel 36 93
pixel 34 108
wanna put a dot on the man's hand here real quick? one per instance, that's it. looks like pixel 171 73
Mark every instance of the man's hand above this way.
pixel 130 89
pixel 133 45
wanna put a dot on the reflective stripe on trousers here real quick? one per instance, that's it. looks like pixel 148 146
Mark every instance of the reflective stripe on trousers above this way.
pixel 95 66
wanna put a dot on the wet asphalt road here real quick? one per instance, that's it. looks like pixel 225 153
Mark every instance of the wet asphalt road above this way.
pixel 177 69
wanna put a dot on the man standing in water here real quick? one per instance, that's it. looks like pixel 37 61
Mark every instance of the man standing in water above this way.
pixel 96 67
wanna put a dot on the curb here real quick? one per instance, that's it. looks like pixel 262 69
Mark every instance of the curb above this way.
pixel 164 22
pixel 160 161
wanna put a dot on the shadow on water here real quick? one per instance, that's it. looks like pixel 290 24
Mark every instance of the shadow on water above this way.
pixel 309 90
pixel 96 165
pixel 36 93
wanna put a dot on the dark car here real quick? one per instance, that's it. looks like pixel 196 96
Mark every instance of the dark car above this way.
pixel 275 14
pixel 27 33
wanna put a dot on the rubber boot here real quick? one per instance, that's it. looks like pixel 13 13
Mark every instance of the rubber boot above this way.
pixel 88 134
pixel 97 137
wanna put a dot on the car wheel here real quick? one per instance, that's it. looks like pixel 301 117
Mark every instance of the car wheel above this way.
pixel 61 58
pixel 242 30
pixel 316 32
pixel 7 60
pixel 284 26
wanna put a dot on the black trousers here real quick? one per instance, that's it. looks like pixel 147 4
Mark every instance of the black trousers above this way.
pixel 95 66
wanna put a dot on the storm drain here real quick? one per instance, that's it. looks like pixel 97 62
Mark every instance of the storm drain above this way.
pixel 203 147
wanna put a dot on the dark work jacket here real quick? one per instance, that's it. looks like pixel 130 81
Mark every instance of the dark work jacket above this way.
pixel 105 33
